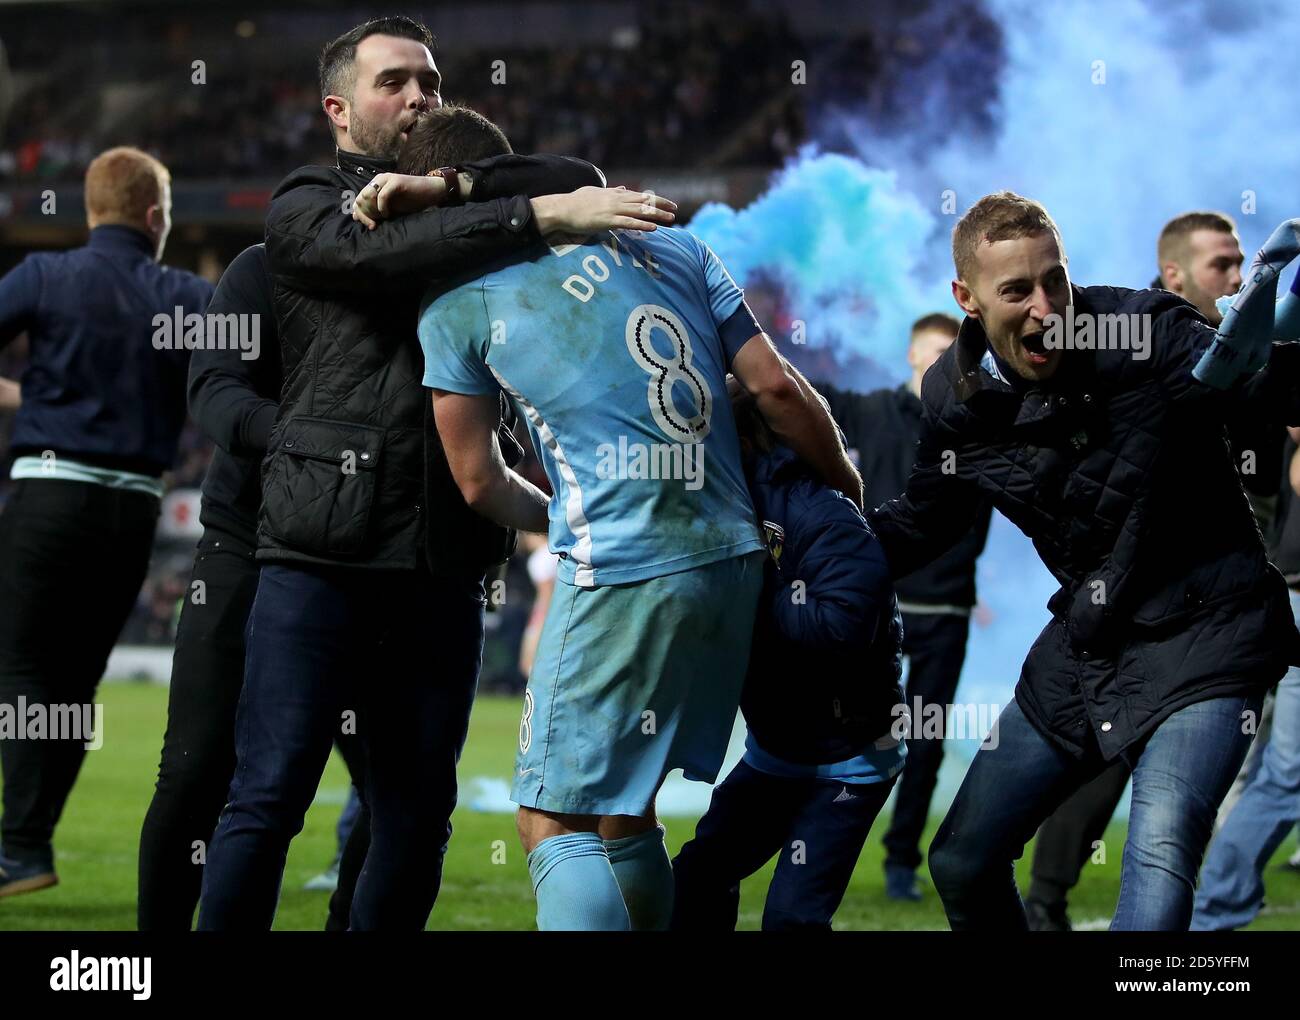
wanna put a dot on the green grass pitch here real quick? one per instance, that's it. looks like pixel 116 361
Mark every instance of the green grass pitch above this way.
pixel 98 838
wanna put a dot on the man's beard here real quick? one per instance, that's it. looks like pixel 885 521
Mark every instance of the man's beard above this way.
pixel 383 141
pixel 1203 302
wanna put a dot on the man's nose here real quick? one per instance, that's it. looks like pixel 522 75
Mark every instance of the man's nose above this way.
pixel 415 97
pixel 1234 280
pixel 1041 307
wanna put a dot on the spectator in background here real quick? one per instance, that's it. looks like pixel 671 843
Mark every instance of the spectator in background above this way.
pixel 1200 260
pixel 936 601
pixel 1231 889
pixel 102 407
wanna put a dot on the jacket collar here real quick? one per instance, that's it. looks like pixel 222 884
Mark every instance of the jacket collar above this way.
pixel 354 164
pixel 116 237
pixel 966 370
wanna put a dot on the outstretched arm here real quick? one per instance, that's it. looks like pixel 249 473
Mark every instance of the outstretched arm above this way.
pixel 1243 342
pixel 936 509
pixel 314 243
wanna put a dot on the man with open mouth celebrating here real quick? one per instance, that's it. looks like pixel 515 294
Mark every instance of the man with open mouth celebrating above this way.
pixel 1165 633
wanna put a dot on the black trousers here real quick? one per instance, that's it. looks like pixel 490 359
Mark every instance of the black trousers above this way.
pixel 935 644
pixel 1065 839
pixel 198 754
pixel 72 558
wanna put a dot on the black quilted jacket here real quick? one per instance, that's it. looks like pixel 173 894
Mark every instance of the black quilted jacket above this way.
pixel 354 474
pixel 1121 474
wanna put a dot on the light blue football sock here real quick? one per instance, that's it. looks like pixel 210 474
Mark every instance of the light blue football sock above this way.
pixel 575 885
pixel 645 876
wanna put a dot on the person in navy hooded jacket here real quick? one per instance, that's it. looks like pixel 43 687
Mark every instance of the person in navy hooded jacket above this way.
pixel 822 703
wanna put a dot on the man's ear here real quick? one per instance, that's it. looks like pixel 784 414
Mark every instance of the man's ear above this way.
pixel 1171 274
pixel 336 109
pixel 965 299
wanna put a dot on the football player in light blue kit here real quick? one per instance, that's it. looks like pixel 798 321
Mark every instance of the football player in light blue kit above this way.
pixel 616 351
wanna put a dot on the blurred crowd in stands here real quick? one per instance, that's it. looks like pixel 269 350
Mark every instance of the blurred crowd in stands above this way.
pixel 690 86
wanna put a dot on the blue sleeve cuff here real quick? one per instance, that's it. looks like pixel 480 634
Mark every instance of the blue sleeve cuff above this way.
pixel 469 389
pixel 738 330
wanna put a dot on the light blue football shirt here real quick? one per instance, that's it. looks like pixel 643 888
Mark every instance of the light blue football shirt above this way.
pixel 611 352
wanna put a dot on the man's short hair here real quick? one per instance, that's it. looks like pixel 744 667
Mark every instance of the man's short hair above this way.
pixel 1002 216
pixel 1172 245
pixel 337 65
pixel 122 183
pixel 448 137
pixel 939 322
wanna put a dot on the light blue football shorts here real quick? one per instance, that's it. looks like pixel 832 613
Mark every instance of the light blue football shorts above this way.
pixel 632 681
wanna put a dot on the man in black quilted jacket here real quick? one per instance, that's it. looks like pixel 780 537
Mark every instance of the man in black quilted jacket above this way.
pixel 368 615
pixel 1076 413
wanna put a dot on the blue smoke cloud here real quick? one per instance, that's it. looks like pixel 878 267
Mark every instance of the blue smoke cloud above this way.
pixel 847 245
pixel 1117 115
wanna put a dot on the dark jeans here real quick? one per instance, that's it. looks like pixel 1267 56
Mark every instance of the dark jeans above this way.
pixel 1065 840
pixel 198 754
pixel 817 825
pixel 1181 772
pixel 935 644
pixel 400 650
pixel 352 859
pixel 72 558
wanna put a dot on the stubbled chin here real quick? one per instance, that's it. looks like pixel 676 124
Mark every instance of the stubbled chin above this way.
pixel 1045 370
pixel 1029 369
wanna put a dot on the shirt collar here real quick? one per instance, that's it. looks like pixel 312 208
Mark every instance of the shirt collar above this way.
pixel 990 365
pixel 116 235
